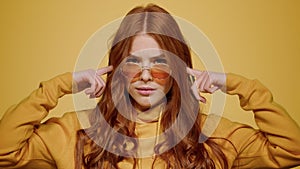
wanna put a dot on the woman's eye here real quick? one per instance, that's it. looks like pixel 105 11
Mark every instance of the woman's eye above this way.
pixel 132 60
pixel 160 60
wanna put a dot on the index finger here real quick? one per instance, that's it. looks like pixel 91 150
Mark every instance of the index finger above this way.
pixel 193 72
pixel 104 70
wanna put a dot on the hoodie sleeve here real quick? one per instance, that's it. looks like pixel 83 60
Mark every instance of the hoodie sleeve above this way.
pixel 23 137
pixel 276 144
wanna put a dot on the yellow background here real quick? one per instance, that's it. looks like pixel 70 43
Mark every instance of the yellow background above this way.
pixel 254 38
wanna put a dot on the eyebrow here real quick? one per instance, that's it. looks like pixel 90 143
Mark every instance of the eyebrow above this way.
pixel 154 57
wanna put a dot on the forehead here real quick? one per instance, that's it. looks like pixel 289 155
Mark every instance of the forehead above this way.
pixel 144 45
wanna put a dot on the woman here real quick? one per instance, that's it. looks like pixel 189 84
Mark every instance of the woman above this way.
pixel 148 115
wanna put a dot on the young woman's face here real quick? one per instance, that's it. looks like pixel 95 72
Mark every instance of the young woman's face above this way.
pixel 148 73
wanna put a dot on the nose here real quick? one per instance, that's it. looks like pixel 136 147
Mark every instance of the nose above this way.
pixel 146 74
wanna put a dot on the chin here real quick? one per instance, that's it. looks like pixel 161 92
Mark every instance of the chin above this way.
pixel 145 105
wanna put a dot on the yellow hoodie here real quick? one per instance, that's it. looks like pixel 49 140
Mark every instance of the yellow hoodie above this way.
pixel 26 143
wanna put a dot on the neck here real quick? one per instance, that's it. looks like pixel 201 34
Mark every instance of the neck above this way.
pixel 150 115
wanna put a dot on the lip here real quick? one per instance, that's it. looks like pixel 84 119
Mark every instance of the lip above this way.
pixel 145 90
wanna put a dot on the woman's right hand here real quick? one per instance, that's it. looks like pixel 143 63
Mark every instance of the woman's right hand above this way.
pixel 91 81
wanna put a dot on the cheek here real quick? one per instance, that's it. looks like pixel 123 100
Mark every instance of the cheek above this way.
pixel 166 84
pixel 129 81
pixel 163 82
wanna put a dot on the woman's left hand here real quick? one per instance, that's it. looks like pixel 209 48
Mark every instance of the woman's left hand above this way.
pixel 206 82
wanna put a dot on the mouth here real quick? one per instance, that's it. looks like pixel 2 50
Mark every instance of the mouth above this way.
pixel 145 90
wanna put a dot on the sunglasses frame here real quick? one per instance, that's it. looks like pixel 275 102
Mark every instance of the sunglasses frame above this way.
pixel 142 68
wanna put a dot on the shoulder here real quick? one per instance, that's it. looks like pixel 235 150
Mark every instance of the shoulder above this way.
pixel 218 126
pixel 224 130
pixel 59 134
pixel 68 124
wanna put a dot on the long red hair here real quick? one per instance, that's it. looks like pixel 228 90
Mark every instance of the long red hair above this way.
pixel 189 152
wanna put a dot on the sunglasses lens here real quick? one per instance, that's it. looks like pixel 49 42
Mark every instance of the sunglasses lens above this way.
pixel 160 71
pixel 131 70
